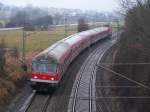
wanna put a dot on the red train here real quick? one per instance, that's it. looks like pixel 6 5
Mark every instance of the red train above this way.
pixel 49 66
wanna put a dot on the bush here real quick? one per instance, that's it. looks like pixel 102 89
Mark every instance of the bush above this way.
pixel 134 48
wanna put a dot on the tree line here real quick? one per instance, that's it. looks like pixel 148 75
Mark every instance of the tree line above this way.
pixel 134 48
pixel 21 19
pixel 34 16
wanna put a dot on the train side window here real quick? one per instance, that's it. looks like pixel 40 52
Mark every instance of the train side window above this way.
pixel 66 61
pixel 63 67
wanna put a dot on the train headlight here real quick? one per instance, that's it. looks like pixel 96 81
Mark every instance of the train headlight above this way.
pixel 52 78
pixel 35 77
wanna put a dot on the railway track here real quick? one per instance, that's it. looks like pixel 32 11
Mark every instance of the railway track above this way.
pixel 41 106
pixel 36 103
pixel 40 102
pixel 104 105
pixel 75 98
pixel 93 78
pixel 89 67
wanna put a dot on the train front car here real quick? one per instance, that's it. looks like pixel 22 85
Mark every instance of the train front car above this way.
pixel 47 67
pixel 44 74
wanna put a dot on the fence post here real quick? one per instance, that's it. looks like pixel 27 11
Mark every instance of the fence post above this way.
pixel 23 45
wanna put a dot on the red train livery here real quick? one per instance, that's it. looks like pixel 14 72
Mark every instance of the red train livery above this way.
pixel 49 66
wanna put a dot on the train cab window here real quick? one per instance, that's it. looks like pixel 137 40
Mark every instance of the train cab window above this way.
pixel 44 67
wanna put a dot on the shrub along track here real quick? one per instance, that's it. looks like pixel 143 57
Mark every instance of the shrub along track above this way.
pixel 60 98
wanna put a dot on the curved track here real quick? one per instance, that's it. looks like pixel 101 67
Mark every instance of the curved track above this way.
pixel 103 104
pixel 83 93
pixel 79 81
pixel 63 99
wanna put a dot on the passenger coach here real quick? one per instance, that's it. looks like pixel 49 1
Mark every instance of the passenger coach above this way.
pixel 49 66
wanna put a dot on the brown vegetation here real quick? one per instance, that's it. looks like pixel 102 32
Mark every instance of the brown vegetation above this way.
pixel 10 72
pixel 134 48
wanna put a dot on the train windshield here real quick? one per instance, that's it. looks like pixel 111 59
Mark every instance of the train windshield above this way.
pixel 44 67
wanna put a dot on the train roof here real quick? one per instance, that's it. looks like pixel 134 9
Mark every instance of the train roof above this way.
pixel 73 40
pixel 55 52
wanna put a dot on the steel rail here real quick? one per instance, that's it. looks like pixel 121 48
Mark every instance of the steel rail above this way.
pixel 28 102
pixel 94 53
pixel 101 91
pixel 90 87
pixel 104 100
pixel 79 80
pixel 46 104
pixel 44 107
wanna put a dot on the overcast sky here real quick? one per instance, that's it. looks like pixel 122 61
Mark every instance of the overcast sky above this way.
pixel 99 5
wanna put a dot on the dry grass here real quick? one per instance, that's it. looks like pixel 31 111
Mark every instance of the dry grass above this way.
pixel 3 94
pixel 38 40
